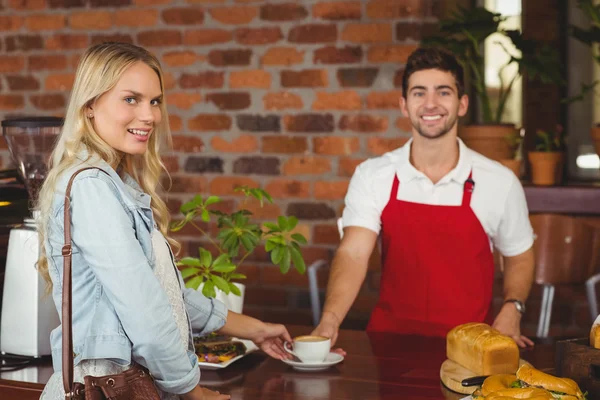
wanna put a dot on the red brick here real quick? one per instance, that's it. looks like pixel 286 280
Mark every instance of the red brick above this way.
pixel 111 37
pixel 10 23
pixel 258 79
pixel 183 100
pixel 338 10
pixel 304 78
pixel 210 122
pixel 17 83
pixel 347 166
pixel 209 79
pixel 45 22
pixel 257 36
pixel 307 165
pixel 159 38
pixel 152 2
pixel 11 102
pixel 335 55
pixel 206 1
pixel 136 18
pixel 183 16
pixel 282 101
pixel 266 211
pixel 199 37
pixel 384 100
pixel 230 100
pixel 414 30
pixel 404 124
pixel 225 185
pixel 367 33
pixel 221 58
pixel 23 43
pixel 282 56
pixel 284 144
pixel 48 101
pixel 175 123
pixel 364 123
pixel 313 33
pixel 237 15
pixel 172 165
pixel 45 62
pixel 378 145
pixel 168 80
pixel 187 184
pixel 288 188
pixel 336 145
pixel 264 297
pixel 357 77
pixel 103 3
pixel 187 144
pixel 398 77
pixel 326 234
pixel 61 82
pixel 348 100
pixel 90 20
pixel 283 12
pixel 179 58
pixel 66 42
pixel 12 64
pixel 270 275
pixel 309 123
pixel 328 190
pixel 241 144
pixel 390 53
pixel 27 5
pixel 392 9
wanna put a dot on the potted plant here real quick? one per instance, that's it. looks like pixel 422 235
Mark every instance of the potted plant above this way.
pixel 236 238
pixel 590 37
pixel 547 161
pixel 464 34
pixel 515 142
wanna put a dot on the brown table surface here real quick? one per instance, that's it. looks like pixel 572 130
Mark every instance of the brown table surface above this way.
pixel 377 366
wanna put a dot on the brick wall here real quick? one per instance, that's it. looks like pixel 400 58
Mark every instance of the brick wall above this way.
pixel 285 95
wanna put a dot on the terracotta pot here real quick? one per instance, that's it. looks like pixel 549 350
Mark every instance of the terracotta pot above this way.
pixel 513 165
pixel 489 140
pixel 546 167
pixel 596 138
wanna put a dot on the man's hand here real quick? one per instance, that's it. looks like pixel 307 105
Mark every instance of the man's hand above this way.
pixel 508 322
pixel 329 327
pixel 271 338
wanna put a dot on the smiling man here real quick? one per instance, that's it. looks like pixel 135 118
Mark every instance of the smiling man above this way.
pixel 439 209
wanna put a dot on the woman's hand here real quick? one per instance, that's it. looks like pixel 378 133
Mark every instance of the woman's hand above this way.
pixel 271 338
pixel 200 393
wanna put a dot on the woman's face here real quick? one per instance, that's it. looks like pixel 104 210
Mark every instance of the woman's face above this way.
pixel 126 115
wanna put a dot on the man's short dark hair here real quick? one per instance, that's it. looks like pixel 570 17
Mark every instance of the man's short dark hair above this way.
pixel 433 58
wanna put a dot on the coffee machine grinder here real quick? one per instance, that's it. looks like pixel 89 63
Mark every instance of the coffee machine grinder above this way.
pixel 28 313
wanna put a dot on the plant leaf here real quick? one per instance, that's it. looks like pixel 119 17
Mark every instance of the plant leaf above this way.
pixel 298 237
pixel 277 254
pixel 298 260
pixel 282 222
pixel 234 289
pixel 209 289
pixel 205 215
pixel 273 227
pixel 205 257
pixel 247 242
pixel 187 272
pixel 212 200
pixel 194 282
pixel 292 222
pixel 190 261
pixel 220 283
pixel 285 260
pixel 224 268
pixel 238 276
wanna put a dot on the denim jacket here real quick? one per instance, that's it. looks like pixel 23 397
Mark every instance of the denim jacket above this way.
pixel 120 311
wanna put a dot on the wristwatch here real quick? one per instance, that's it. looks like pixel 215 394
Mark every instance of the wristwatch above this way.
pixel 519 305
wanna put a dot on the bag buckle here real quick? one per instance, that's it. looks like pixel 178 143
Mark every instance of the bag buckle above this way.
pixel 67 250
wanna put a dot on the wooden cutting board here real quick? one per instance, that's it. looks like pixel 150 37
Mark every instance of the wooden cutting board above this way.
pixel 452 374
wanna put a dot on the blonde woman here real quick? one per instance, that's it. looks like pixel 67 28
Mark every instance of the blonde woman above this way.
pixel 129 302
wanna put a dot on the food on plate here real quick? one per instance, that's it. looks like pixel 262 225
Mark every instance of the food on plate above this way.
pixel 212 337
pixel 528 383
pixel 218 352
pixel 595 336
pixel 482 349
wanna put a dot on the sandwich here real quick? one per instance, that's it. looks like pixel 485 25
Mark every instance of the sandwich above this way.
pixel 218 352
pixel 561 388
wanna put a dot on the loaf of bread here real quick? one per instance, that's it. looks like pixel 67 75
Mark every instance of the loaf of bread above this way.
pixel 482 349
pixel 595 336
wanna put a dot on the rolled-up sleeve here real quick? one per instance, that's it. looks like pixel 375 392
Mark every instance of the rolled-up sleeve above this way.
pixel 515 234
pixel 360 206
pixel 206 314
pixel 104 234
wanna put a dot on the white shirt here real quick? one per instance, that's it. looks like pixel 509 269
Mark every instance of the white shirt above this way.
pixel 498 199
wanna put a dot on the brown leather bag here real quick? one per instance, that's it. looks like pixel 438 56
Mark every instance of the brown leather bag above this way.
pixel 133 384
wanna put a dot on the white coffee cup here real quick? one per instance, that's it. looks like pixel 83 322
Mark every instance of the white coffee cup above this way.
pixel 310 349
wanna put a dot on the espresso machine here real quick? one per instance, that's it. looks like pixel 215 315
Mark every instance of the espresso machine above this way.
pixel 28 313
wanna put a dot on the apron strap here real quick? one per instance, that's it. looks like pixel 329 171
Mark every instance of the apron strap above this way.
pixel 469 186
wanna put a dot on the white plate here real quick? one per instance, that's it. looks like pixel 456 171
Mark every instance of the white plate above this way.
pixel 331 359
pixel 250 347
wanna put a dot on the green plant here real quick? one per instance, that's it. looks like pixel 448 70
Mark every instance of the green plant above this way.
pixel 237 237
pixel 550 140
pixel 464 34
pixel 515 141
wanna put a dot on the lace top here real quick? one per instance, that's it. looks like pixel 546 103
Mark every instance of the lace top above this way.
pixel 166 275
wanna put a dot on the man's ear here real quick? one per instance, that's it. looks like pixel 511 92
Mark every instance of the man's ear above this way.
pixel 402 104
pixel 463 105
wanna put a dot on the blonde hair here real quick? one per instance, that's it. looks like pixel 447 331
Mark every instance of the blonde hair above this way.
pixel 99 70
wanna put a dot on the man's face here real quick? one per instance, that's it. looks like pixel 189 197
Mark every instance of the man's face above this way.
pixel 432 103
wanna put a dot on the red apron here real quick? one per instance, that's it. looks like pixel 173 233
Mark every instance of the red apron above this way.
pixel 438 268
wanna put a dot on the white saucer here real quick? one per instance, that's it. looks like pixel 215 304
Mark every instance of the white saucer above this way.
pixel 331 359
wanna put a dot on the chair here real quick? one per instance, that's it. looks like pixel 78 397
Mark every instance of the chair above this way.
pixel 566 252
